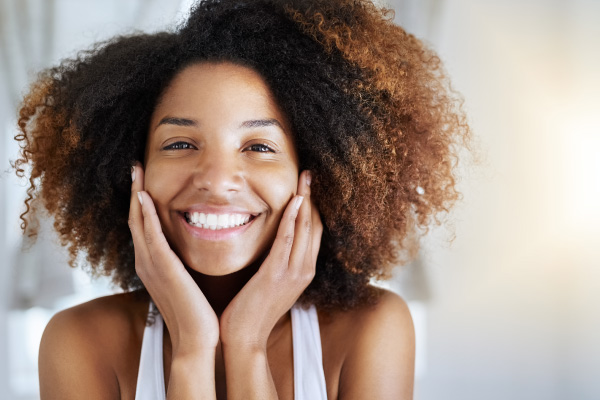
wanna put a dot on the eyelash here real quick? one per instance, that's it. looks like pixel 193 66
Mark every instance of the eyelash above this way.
pixel 179 146
pixel 262 145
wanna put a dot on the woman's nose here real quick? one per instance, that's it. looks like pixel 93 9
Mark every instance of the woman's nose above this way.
pixel 217 172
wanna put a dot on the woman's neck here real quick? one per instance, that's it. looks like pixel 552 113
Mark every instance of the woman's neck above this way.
pixel 220 290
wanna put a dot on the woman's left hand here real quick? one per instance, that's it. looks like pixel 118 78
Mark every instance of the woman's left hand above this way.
pixel 286 272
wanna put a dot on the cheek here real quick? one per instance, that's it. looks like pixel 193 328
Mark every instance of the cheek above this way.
pixel 152 181
pixel 160 184
pixel 280 191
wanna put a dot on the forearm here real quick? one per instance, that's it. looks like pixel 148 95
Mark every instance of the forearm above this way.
pixel 192 377
pixel 248 373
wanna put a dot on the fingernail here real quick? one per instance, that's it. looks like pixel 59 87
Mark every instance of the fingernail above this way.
pixel 132 174
pixel 308 178
pixel 140 198
pixel 298 202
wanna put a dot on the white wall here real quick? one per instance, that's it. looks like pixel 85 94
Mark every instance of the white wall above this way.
pixel 513 314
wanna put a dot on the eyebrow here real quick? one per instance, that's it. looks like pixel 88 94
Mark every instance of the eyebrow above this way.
pixel 177 121
pixel 254 123
pixel 260 123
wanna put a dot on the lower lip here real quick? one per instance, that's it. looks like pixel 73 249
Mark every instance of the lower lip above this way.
pixel 209 234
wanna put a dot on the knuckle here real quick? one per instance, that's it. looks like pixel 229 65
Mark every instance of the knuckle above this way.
pixel 131 222
pixel 294 275
pixel 141 272
pixel 307 278
pixel 319 228
pixel 304 272
pixel 288 239
pixel 149 238
pixel 308 225
pixel 309 274
pixel 318 223
pixel 303 278
pixel 292 216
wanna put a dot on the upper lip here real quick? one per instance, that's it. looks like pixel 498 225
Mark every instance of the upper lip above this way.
pixel 208 209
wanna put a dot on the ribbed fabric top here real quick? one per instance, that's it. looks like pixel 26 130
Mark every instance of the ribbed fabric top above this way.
pixel 151 381
pixel 309 377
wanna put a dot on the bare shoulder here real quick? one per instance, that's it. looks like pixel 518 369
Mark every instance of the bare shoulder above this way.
pixel 113 307
pixel 81 345
pixel 375 346
pixel 99 320
pixel 388 313
pixel 388 316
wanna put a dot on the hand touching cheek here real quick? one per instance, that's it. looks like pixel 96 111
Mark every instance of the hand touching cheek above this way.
pixel 281 279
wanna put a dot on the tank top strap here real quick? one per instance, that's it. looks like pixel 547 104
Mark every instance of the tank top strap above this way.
pixel 309 377
pixel 151 376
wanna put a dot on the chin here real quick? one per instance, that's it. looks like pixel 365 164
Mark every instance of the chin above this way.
pixel 218 266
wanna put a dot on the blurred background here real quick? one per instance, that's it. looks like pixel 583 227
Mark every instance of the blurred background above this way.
pixel 505 295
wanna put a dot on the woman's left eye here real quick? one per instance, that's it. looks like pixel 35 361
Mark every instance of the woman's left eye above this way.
pixel 179 146
pixel 261 148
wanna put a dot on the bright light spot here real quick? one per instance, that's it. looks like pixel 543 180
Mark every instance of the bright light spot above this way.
pixel 581 172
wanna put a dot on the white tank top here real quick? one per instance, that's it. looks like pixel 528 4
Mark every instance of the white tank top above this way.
pixel 309 378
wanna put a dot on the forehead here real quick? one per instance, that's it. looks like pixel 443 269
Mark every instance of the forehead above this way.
pixel 210 89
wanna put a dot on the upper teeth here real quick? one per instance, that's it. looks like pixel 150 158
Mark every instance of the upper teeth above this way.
pixel 216 221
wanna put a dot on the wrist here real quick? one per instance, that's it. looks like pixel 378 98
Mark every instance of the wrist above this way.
pixel 248 372
pixel 243 340
pixel 244 348
pixel 244 345
pixel 192 376
pixel 244 357
pixel 194 354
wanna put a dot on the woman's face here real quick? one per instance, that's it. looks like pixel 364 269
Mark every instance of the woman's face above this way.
pixel 220 166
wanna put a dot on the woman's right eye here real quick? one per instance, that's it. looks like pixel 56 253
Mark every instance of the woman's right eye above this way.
pixel 178 146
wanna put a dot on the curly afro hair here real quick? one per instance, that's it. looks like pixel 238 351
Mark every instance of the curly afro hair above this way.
pixel 372 112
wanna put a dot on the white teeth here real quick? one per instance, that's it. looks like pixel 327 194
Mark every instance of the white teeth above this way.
pixel 216 221
pixel 223 220
pixel 211 219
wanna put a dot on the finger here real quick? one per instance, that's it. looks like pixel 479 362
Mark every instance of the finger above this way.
pixel 316 226
pixel 155 240
pixel 317 233
pixel 282 245
pixel 136 220
pixel 303 229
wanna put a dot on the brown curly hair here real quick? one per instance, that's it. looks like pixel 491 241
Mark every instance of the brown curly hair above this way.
pixel 373 114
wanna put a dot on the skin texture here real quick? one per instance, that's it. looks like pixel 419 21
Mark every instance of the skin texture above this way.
pixel 213 96
pixel 234 343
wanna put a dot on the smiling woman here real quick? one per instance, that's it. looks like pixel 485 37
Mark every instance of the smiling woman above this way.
pixel 214 136
pixel 242 178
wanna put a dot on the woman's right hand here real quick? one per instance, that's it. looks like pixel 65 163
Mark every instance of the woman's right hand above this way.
pixel 192 323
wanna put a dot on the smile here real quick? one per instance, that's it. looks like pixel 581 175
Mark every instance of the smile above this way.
pixel 216 221
pixel 217 227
